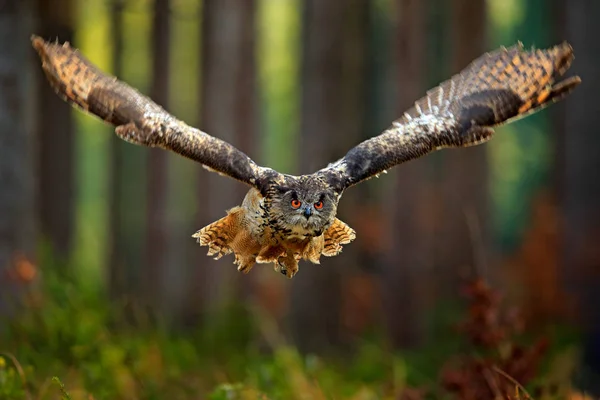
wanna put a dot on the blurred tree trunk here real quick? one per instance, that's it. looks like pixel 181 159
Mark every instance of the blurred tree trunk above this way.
pixel 17 235
pixel 127 186
pixel 332 120
pixel 463 201
pixel 117 268
pixel 409 196
pixel 581 197
pixel 558 11
pixel 156 234
pixel 55 139
pixel 228 112
pixel 536 264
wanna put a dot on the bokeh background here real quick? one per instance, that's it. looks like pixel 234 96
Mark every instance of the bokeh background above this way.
pixel 102 285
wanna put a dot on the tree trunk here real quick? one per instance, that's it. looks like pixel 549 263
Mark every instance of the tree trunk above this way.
pixel 408 196
pixel 156 235
pixel 332 120
pixel 581 197
pixel 463 197
pixel 116 268
pixel 228 112
pixel 55 140
pixel 17 235
pixel 128 183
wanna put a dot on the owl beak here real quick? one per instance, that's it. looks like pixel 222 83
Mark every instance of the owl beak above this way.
pixel 308 212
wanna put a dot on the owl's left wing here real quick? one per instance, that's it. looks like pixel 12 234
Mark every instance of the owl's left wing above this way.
pixel 496 88
pixel 137 119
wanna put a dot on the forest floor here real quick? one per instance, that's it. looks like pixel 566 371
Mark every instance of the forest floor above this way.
pixel 68 343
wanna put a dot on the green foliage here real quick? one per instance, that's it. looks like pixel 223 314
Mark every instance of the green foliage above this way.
pixel 71 331
pixel 64 394
pixel 11 382
pixel 110 351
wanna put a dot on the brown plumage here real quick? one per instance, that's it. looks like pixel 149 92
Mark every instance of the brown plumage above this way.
pixel 285 218
pixel 496 88
pixel 242 232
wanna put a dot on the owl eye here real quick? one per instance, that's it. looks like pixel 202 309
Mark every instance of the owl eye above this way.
pixel 319 205
pixel 296 203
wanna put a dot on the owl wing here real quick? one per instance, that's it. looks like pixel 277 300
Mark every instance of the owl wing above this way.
pixel 137 118
pixel 496 88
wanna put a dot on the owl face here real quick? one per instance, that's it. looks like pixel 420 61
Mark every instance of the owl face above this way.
pixel 304 209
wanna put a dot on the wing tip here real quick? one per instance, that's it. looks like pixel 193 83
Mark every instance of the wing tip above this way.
pixel 563 57
pixel 560 57
pixel 36 40
pixel 49 52
pixel 43 47
pixel 40 46
pixel 564 87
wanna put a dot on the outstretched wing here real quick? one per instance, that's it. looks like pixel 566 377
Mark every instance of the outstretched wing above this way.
pixel 137 118
pixel 496 88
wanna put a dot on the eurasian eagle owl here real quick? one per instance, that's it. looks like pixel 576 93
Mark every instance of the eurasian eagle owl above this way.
pixel 286 218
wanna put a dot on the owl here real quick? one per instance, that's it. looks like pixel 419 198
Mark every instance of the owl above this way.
pixel 284 218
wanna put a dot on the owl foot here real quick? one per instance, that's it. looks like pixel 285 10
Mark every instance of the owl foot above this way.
pixel 287 265
pixel 280 268
pixel 284 271
pixel 270 254
pixel 244 264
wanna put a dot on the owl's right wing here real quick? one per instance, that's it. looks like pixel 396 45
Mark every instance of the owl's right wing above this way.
pixel 137 118
pixel 496 88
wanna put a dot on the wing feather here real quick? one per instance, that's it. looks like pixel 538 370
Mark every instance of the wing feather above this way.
pixel 496 88
pixel 137 118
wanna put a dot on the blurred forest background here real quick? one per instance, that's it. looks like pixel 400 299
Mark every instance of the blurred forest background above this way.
pixel 115 298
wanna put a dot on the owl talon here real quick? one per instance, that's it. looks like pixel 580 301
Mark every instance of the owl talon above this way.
pixel 244 268
pixel 278 267
pixel 287 265
pixel 283 270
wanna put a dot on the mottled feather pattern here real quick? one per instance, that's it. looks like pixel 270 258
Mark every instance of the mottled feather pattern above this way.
pixel 256 236
pixel 511 81
pixel 216 236
pixel 336 235
pixel 137 119
pixel 496 88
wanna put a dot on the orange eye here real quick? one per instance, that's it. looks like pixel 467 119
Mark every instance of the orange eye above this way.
pixel 319 205
pixel 296 203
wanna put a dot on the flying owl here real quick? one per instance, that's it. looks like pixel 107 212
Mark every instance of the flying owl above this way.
pixel 284 218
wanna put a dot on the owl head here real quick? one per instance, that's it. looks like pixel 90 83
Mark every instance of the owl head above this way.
pixel 304 206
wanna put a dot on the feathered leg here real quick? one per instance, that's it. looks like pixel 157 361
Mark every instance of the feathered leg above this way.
pixel 336 235
pixel 219 235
